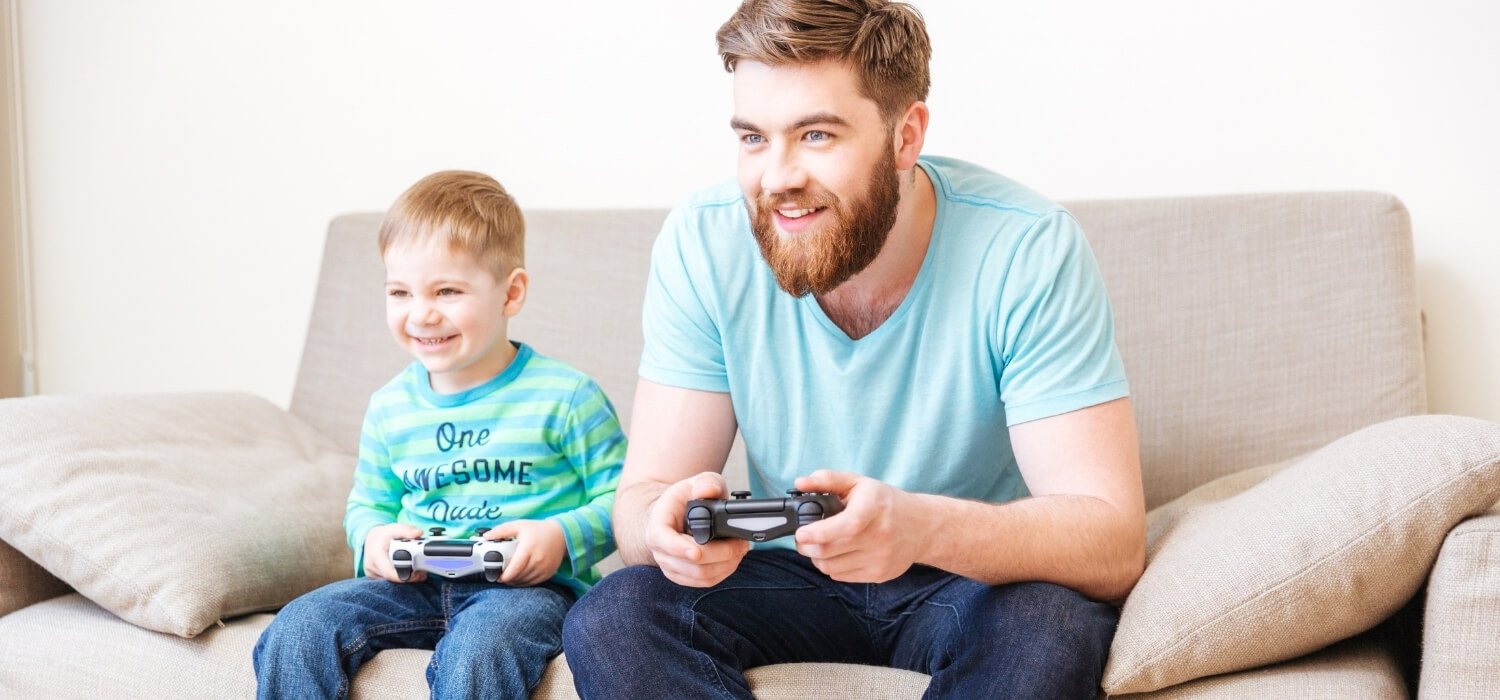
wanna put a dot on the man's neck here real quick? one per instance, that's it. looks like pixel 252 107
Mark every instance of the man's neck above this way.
pixel 866 300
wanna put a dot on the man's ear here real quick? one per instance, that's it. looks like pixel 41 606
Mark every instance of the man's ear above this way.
pixel 911 132
pixel 515 291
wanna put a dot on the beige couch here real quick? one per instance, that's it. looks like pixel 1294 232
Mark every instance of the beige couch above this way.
pixel 1303 539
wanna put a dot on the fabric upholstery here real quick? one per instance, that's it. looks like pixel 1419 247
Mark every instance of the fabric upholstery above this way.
pixel 174 510
pixel 1460 644
pixel 23 582
pixel 125 662
pixel 1258 327
pixel 1363 668
pixel 1269 564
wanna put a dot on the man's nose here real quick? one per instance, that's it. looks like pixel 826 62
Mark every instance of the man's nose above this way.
pixel 784 172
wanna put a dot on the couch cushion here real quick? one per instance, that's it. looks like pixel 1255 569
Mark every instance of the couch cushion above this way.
pixel 1273 563
pixel 1255 328
pixel 23 581
pixel 41 644
pixel 1362 668
pixel 174 511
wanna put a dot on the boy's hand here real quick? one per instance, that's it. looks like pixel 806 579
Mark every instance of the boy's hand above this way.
pixel 540 548
pixel 378 552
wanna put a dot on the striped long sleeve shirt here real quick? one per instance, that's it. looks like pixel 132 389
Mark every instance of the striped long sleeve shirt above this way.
pixel 539 441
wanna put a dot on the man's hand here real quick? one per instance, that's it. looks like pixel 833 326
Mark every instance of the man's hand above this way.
pixel 540 548
pixel 378 552
pixel 869 541
pixel 681 559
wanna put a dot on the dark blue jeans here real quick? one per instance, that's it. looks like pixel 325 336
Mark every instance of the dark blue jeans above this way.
pixel 638 635
pixel 489 640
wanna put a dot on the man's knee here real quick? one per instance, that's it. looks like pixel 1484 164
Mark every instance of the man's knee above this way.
pixel 620 603
pixel 1056 620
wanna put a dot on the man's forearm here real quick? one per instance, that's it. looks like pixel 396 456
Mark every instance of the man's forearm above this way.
pixel 632 504
pixel 1082 542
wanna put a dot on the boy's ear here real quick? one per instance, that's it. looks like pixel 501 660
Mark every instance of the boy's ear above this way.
pixel 515 291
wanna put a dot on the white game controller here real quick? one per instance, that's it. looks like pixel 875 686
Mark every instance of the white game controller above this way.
pixel 451 558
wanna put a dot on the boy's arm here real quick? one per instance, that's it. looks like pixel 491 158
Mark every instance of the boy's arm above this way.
pixel 595 445
pixel 375 499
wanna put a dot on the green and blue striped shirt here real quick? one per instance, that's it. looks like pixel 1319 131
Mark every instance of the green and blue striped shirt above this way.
pixel 539 441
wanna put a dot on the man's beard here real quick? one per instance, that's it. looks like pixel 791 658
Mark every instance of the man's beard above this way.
pixel 818 261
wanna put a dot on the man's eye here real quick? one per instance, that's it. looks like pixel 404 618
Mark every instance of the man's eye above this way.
pixel 752 139
pixel 818 136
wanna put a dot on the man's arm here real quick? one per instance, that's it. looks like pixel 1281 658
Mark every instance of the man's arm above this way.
pixel 676 436
pixel 1084 526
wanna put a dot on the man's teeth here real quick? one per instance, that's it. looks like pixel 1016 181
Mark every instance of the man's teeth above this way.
pixel 795 213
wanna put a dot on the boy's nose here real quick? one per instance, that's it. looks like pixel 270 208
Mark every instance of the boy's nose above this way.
pixel 426 314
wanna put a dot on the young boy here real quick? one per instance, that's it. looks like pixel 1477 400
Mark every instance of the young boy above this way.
pixel 479 432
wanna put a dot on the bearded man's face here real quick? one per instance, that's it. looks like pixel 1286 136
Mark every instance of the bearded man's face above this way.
pixel 845 238
pixel 817 165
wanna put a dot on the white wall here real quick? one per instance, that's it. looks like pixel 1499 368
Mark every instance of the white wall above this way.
pixel 186 156
pixel 10 274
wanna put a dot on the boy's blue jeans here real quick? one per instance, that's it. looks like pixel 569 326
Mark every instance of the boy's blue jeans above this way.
pixel 489 640
pixel 638 635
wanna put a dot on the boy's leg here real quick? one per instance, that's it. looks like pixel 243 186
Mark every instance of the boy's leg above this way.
pixel 638 635
pixel 499 640
pixel 1022 640
pixel 318 641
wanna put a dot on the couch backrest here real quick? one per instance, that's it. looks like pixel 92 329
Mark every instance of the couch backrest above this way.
pixel 1253 327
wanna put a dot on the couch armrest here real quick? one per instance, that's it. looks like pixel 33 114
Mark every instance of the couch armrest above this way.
pixel 1461 629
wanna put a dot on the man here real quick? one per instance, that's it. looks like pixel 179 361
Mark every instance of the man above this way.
pixel 925 339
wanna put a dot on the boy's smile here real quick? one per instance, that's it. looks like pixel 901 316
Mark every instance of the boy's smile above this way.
pixel 450 312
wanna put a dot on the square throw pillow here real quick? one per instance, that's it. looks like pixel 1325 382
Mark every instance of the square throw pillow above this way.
pixel 1273 563
pixel 23 581
pixel 174 511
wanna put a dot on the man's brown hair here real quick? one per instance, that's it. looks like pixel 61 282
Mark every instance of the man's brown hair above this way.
pixel 469 210
pixel 884 42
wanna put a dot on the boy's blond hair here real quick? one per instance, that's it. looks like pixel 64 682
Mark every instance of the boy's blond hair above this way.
pixel 470 210
pixel 884 42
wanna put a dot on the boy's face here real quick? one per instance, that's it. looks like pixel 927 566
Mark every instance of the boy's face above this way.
pixel 449 311
pixel 817 166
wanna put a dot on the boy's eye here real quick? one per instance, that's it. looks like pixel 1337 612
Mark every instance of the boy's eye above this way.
pixel 396 292
pixel 447 291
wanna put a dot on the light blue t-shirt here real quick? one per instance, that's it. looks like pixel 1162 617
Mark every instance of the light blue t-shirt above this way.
pixel 1006 322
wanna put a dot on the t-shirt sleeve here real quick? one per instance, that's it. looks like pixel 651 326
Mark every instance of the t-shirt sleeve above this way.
pixel 375 498
pixel 682 347
pixel 594 445
pixel 1056 335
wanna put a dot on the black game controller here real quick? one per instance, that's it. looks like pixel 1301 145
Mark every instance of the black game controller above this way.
pixel 757 519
